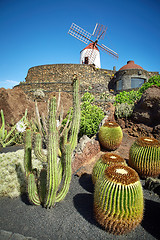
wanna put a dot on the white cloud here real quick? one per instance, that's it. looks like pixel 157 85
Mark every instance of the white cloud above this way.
pixel 8 83
pixel 12 82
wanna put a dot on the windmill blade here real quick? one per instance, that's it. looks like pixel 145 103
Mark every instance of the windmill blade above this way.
pixel 108 50
pixel 99 31
pixel 79 33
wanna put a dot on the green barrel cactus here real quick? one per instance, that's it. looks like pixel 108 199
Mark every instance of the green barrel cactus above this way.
pixel 103 162
pixel 118 199
pixel 144 157
pixel 110 135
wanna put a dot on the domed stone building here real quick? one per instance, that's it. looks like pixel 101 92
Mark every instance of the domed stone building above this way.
pixel 130 76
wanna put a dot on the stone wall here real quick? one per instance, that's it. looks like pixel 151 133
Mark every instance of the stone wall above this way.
pixel 51 78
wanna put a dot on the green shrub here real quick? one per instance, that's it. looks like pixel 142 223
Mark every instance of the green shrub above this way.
pixel 155 80
pixel 127 97
pixel 91 116
pixel 124 101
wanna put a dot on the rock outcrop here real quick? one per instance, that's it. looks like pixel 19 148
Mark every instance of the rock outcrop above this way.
pixel 147 110
pixel 14 102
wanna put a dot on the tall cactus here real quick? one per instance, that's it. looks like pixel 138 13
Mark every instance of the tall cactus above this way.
pixel 76 114
pixel 55 192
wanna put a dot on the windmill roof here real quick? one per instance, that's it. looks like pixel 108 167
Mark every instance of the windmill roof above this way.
pixel 130 65
pixel 91 46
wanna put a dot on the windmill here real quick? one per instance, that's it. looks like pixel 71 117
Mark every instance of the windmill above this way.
pixel 91 54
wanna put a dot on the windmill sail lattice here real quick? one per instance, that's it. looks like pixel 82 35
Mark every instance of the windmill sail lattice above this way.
pixel 79 33
pixel 91 51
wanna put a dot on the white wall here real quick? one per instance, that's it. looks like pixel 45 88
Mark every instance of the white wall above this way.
pixel 91 53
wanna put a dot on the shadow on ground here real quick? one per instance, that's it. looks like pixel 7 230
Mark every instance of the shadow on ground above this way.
pixel 151 219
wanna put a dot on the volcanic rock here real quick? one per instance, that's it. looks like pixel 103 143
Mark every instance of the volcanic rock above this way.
pixel 86 149
pixel 14 102
pixel 147 110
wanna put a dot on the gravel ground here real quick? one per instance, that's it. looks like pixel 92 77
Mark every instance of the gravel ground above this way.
pixel 73 218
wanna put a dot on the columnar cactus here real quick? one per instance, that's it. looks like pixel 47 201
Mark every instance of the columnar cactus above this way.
pixel 103 162
pixel 47 188
pixel 118 199
pixel 110 135
pixel 144 157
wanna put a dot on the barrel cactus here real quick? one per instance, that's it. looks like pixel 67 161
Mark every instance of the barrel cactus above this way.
pixel 144 157
pixel 110 135
pixel 118 199
pixel 103 162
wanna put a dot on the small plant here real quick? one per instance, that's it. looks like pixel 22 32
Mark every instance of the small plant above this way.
pixel 46 187
pixel 144 157
pixel 124 110
pixel 39 93
pixel 103 162
pixel 118 199
pixel 7 139
pixel 107 97
pixel 110 135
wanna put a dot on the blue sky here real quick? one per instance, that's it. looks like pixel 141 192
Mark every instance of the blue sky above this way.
pixel 35 32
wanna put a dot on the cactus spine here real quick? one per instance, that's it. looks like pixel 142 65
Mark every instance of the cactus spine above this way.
pixel 55 192
pixel 103 162
pixel 118 199
pixel 110 135
pixel 144 157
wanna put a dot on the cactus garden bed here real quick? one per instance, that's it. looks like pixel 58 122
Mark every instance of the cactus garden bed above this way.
pixel 73 217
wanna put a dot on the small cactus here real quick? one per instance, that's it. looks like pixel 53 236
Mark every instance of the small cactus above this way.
pixel 144 157
pixel 118 199
pixel 103 162
pixel 110 135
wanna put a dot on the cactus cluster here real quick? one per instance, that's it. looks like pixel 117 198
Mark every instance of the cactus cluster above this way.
pixel 47 188
pixel 118 199
pixel 144 157
pixel 110 135
pixel 103 162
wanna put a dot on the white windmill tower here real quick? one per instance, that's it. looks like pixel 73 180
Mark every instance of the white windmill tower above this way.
pixel 91 54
